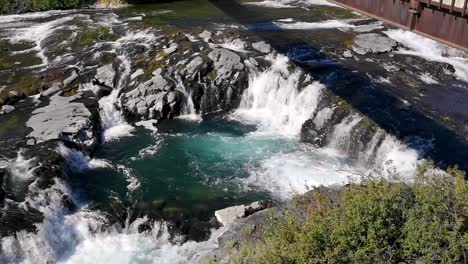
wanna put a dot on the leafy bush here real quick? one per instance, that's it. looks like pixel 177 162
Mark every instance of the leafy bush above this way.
pixel 376 221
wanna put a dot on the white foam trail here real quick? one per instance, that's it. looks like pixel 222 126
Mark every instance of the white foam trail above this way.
pixel 285 175
pixel 85 237
pixel 427 78
pixel 38 32
pixel 314 25
pixel 290 3
pixel 78 161
pixel 20 168
pixel 274 101
pixel 33 16
pixel 133 182
pixel 431 50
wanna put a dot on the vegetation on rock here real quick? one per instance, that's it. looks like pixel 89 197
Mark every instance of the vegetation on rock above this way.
pixel 375 221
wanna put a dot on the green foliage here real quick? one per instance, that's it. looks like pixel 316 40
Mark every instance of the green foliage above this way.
pixel 20 6
pixel 376 221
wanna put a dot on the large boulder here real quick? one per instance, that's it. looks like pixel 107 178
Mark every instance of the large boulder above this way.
pixel 373 43
pixel 63 119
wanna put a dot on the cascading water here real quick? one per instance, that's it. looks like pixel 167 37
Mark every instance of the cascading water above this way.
pixel 274 102
pixel 188 110
pixel 114 124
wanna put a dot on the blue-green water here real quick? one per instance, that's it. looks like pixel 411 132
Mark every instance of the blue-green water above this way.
pixel 187 169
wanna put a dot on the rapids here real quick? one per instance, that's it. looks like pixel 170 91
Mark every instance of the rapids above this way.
pixel 147 193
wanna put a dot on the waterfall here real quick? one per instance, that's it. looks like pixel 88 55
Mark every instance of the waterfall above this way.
pixel 275 102
pixel 113 122
pixel 188 109
pixel 341 136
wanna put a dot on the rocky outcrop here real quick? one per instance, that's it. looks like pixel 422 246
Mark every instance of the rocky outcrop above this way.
pixel 63 119
pixel 231 214
pixel 373 43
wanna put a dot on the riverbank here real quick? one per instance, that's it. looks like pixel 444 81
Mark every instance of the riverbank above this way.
pixel 124 130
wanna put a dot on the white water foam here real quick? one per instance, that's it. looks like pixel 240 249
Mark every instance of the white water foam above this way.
pixel 112 119
pixel 314 25
pixel 85 237
pixel 38 32
pixel 275 102
pixel 21 168
pixel 79 161
pixel 287 174
pixel 133 182
pixel 431 50
pixel 188 109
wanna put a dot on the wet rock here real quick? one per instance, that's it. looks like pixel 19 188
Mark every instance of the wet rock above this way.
pixel 262 46
pixel 7 109
pixel 373 43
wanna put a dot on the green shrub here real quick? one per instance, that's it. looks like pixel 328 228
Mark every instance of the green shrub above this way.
pixel 376 221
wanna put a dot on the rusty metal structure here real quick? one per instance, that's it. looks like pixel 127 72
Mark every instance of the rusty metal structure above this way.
pixel 443 20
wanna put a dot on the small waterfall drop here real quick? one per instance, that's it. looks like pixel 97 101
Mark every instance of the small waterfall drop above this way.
pixel 113 122
pixel 188 109
pixel 275 102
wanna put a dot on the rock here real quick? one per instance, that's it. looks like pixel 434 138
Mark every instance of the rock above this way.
pixel 262 46
pixel 347 54
pixel 193 65
pixel 137 73
pixel 106 75
pixel 70 79
pixel 7 109
pixel 31 142
pixel 172 48
pixel 374 43
pixel 52 90
pixel 16 95
pixel 62 119
pixel 206 35
pixel 230 215
pixel 226 62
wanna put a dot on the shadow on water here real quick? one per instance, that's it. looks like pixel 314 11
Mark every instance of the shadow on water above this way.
pixel 355 87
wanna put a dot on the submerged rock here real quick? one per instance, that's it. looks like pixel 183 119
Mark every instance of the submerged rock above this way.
pixel 373 43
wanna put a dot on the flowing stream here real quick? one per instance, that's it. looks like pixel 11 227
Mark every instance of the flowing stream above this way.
pixel 149 196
